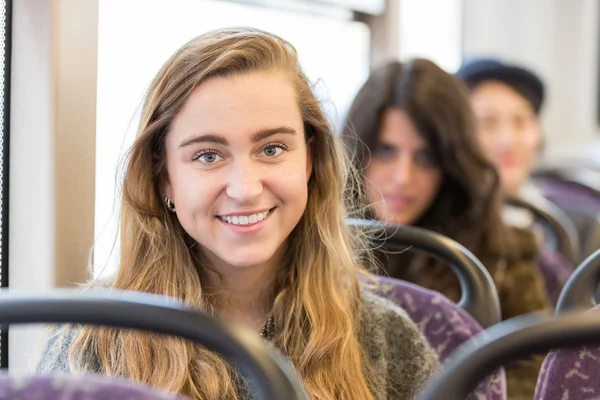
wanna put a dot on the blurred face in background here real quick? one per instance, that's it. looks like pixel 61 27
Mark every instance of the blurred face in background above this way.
pixel 402 178
pixel 508 131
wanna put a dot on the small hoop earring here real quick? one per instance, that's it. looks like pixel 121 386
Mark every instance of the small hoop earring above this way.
pixel 169 204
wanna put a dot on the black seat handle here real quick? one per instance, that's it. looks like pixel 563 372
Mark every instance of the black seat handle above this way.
pixel 580 290
pixel 508 341
pixel 266 368
pixel 479 295
pixel 558 222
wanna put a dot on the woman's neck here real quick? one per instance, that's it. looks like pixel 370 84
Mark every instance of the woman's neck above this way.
pixel 243 295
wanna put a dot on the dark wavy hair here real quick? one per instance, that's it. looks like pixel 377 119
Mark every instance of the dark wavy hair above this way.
pixel 468 205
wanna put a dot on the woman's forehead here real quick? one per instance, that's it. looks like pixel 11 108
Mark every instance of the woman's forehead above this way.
pixel 239 106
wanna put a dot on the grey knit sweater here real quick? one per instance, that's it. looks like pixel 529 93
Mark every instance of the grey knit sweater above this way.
pixel 401 356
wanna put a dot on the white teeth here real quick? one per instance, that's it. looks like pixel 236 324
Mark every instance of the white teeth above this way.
pixel 245 219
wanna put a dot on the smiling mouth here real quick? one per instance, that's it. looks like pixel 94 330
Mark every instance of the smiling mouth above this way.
pixel 245 220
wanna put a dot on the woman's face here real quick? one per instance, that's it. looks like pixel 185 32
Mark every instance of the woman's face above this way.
pixel 238 167
pixel 402 178
pixel 508 131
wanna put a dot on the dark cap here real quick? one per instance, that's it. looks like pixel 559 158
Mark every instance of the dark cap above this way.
pixel 525 82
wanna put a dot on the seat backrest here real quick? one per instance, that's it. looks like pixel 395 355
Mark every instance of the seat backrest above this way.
pixel 509 341
pixel 581 175
pixel 479 295
pixel 555 270
pixel 74 387
pixel 581 290
pixel 569 195
pixel 444 324
pixel 572 374
pixel 588 227
pixel 560 233
pixel 581 204
pixel 268 372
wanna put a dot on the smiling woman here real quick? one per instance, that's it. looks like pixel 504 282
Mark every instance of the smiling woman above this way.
pixel 234 201
pixel 253 159
pixel 123 76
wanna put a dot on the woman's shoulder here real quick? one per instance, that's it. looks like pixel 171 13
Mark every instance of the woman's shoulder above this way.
pixel 57 347
pixel 380 309
pixel 59 339
pixel 380 314
pixel 401 355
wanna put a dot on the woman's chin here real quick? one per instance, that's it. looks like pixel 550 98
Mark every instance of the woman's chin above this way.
pixel 245 261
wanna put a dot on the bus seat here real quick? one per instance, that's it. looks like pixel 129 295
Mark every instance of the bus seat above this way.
pixel 570 374
pixel 581 204
pixel 560 234
pixel 512 340
pixel 479 295
pixel 444 324
pixel 581 290
pixel 555 271
pixel 86 387
pixel 265 368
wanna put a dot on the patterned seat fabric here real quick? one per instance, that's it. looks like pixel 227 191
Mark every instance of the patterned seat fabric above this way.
pixel 555 271
pixel 66 387
pixel 570 374
pixel 445 326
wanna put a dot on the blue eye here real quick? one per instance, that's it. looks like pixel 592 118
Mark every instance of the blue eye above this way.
pixel 273 150
pixel 208 157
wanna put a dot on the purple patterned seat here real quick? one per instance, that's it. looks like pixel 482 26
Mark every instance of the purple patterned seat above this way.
pixel 445 326
pixel 555 271
pixel 570 374
pixel 69 387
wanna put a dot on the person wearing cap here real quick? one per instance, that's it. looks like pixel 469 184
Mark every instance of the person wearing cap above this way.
pixel 410 131
pixel 507 101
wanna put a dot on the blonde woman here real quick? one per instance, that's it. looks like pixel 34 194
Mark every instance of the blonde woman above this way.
pixel 233 201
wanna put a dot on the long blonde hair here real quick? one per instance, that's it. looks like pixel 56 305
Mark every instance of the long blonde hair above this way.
pixel 317 300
